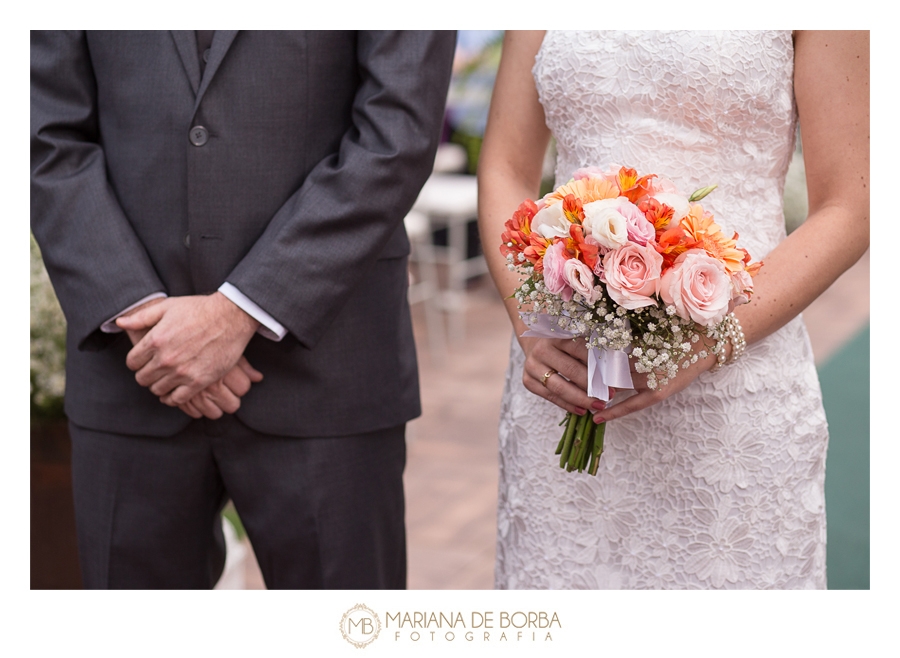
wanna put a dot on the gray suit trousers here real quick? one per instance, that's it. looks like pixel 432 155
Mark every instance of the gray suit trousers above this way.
pixel 320 512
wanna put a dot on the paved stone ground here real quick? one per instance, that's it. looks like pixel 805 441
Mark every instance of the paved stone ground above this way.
pixel 451 474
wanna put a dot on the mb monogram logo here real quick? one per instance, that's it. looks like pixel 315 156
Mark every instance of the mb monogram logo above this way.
pixel 360 626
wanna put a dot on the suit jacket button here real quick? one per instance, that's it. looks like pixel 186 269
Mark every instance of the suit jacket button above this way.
pixel 187 240
pixel 206 55
pixel 199 135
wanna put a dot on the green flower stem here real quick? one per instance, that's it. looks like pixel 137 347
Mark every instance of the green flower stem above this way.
pixel 581 445
pixel 599 433
pixel 567 440
pixel 577 444
pixel 562 439
pixel 585 455
pixel 577 451
pixel 587 435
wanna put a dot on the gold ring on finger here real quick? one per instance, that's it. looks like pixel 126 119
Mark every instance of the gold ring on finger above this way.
pixel 547 375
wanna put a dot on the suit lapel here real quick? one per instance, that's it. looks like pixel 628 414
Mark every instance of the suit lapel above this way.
pixel 222 40
pixel 186 43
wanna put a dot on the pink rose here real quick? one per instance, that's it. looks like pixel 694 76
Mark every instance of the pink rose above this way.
pixel 554 271
pixel 632 275
pixel 636 224
pixel 581 279
pixel 741 287
pixel 698 286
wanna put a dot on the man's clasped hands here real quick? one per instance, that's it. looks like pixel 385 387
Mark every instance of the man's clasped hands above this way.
pixel 189 351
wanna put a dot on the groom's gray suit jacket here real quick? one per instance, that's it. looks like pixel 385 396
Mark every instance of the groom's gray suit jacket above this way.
pixel 315 145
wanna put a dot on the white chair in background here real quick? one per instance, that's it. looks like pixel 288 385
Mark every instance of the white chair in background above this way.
pixel 450 159
pixel 424 286
pixel 451 201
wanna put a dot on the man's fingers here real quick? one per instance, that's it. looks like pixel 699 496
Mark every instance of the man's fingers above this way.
pixel 222 397
pixel 140 355
pixel 135 335
pixel 190 410
pixel 143 318
pixel 164 385
pixel 255 375
pixel 182 393
pixel 237 381
pixel 202 407
pixel 209 408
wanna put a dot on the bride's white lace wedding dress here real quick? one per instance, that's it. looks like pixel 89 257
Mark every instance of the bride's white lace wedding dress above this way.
pixel 721 485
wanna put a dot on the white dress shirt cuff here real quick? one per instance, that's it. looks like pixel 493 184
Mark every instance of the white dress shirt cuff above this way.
pixel 110 326
pixel 269 327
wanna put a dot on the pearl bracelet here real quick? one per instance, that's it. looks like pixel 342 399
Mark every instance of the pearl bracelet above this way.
pixel 735 335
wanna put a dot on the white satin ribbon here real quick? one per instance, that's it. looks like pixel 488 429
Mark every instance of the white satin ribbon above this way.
pixel 606 367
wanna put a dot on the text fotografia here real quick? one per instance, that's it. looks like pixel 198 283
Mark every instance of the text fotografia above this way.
pixel 478 626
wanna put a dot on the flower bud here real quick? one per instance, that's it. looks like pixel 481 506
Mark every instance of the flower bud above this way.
pixel 702 192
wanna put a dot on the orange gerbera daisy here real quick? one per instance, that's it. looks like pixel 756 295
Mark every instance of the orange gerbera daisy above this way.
pixel 585 190
pixel 707 235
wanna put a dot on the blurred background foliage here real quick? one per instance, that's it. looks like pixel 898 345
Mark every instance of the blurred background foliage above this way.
pixel 48 344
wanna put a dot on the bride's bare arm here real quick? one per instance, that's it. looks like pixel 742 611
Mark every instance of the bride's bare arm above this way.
pixel 509 172
pixel 831 84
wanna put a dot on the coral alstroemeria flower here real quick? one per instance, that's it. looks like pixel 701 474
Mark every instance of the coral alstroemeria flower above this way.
pixel 573 209
pixel 579 248
pixel 585 190
pixel 707 235
pixel 753 269
pixel 631 186
pixel 518 229
pixel 658 214
pixel 534 252
pixel 671 243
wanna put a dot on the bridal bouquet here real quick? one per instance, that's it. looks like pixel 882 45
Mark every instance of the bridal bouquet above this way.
pixel 637 270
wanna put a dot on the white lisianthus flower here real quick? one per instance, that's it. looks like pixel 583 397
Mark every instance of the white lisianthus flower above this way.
pixel 551 222
pixel 604 223
pixel 676 202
